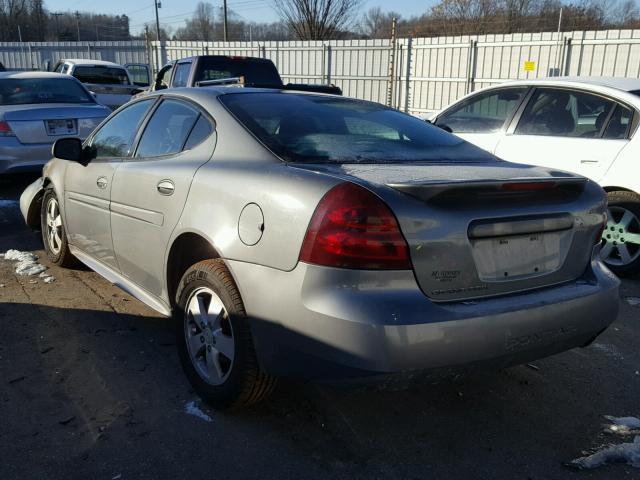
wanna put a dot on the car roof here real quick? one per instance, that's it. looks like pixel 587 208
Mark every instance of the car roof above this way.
pixel 29 75
pixel 618 83
pixel 88 61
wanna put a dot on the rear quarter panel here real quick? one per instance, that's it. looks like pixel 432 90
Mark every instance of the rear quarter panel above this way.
pixel 623 171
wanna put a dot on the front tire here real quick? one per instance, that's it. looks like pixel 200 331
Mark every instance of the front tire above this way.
pixel 621 237
pixel 214 339
pixel 54 235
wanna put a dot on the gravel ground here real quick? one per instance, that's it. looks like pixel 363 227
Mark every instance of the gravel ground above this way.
pixel 91 387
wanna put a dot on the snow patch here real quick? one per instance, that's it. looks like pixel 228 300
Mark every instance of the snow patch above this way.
pixel 192 409
pixel 8 203
pixel 27 262
pixel 608 350
pixel 633 301
pixel 623 425
pixel 623 453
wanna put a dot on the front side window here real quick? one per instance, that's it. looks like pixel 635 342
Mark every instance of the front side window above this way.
pixel 168 129
pixel 20 91
pixel 329 129
pixel 115 137
pixel 564 113
pixel 484 113
pixel 182 75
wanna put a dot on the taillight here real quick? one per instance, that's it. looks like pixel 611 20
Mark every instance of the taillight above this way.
pixel 5 130
pixel 353 228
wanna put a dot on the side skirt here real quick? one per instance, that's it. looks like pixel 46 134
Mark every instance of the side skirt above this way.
pixel 122 282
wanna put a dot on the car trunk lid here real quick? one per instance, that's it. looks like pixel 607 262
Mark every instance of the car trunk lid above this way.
pixel 44 124
pixel 477 230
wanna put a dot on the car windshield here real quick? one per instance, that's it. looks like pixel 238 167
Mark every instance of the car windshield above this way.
pixel 100 74
pixel 17 91
pixel 330 129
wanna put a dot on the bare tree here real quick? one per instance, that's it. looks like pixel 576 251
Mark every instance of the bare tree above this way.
pixel 377 24
pixel 201 26
pixel 317 19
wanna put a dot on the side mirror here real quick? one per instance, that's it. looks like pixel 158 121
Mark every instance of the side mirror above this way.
pixel 71 149
pixel 161 86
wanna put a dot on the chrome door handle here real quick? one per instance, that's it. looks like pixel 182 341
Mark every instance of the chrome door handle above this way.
pixel 101 182
pixel 589 161
pixel 166 187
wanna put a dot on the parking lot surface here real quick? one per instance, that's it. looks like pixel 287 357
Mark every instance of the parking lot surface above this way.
pixel 91 387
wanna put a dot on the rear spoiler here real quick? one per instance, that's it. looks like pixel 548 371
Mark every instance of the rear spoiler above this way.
pixel 428 190
pixel 240 82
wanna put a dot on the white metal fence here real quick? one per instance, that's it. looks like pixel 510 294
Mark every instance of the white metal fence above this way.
pixel 418 75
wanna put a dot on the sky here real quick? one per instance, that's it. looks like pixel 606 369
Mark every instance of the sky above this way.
pixel 174 12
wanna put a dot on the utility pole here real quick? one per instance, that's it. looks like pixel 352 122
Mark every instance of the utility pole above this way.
pixel 78 23
pixel 56 15
pixel 158 5
pixel 224 22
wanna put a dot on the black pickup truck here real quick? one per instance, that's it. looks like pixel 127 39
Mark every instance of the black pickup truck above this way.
pixel 203 70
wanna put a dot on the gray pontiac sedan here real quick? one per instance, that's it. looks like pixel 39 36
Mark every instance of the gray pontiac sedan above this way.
pixel 37 108
pixel 309 235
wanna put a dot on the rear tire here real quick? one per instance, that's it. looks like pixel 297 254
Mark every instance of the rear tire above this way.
pixel 621 237
pixel 216 349
pixel 54 235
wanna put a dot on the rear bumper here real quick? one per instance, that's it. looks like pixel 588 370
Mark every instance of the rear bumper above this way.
pixel 16 157
pixel 324 323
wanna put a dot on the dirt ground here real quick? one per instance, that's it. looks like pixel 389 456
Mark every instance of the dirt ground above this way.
pixel 91 387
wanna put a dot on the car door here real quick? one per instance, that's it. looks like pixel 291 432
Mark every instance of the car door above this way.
pixel 482 118
pixel 88 188
pixel 150 188
pixel 569 130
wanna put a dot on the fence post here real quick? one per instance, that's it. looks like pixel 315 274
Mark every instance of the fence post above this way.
pixel 263 51
pixel 567 55
pixel 392 63
pixel 407 79
pixel 471 66
pixel 329 64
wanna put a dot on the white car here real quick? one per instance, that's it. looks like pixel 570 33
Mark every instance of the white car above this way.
pixel 585 125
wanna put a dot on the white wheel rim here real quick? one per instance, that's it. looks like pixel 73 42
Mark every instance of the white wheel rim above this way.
pixel 621 237
pixel 209 336
pixel 54 226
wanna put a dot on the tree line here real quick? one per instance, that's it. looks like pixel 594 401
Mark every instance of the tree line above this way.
pixel 29 20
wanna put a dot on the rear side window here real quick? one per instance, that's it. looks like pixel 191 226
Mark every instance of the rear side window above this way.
pixel 330 129
pixel 564 113
pixel 484 113
pixel 182 75
pixel 168 129
pixel 115 137
pixel 619 123
pixel 199 133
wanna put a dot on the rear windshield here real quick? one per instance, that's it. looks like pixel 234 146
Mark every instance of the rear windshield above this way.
pixel 103 75
pixel 17 91
pixel 327 129
pixel 254 72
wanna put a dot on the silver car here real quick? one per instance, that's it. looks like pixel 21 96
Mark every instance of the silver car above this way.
pixel 293 234
pixel 37 108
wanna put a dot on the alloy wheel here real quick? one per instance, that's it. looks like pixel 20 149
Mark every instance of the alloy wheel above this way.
pixel 54 226
pixel 209 336
pixel 621 237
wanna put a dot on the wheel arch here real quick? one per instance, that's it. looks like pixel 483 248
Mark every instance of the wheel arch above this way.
pixel 186 249
pixel 612 188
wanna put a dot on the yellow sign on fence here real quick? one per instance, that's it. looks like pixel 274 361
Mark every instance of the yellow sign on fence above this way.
pixel 529 66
